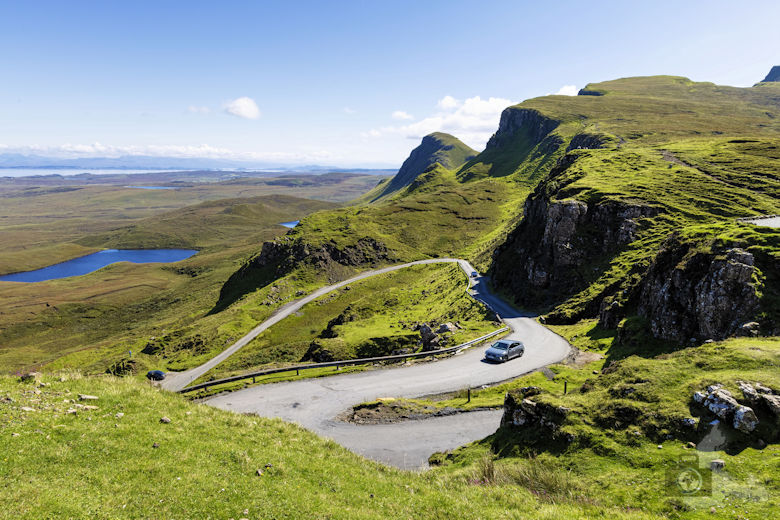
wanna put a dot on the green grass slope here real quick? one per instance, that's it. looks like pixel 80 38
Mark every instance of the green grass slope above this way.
pixel 446 150
pixel 624 434
pixel 120 461
pixel 373 317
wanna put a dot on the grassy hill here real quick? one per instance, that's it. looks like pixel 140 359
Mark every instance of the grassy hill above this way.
pixel 437 148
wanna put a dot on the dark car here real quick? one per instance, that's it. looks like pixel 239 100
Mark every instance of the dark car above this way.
pixel 504 350
pixel 155 375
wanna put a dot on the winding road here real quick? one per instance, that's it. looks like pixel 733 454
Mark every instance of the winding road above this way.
pixel 315 403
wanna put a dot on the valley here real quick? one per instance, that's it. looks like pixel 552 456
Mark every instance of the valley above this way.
pixel 623 221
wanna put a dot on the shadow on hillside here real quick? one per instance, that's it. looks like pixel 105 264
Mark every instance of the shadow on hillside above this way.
pixel 247 279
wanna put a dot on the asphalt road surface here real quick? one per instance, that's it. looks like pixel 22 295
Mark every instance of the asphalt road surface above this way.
pixel 315 403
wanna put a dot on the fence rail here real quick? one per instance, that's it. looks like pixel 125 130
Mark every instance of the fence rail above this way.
pixel 337 364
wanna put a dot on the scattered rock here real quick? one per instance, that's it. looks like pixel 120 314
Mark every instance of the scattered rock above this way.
pixel 717 464
pixel 27 409
pixel 85 397
pixel 30 376
pixel 155 445
pixel 259 472
pixel 165 420
pixel 691 445
pixel 660 447
pixel 89 407
pixel 72 411
pixel 446 327
pixel 14 435
pixel 119 415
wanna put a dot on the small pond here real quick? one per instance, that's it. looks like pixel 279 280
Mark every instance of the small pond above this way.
pixel 95 261
pixel 290 224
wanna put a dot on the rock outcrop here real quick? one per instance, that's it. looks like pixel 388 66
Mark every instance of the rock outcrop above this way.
pixel 280 256
pixel 722 404
pixel 774 75
pixel 529 123
pixel 522 412
pixel 544 259
pixel 693 294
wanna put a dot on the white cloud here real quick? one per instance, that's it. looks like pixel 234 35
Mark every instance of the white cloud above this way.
pixel 243 107
pixel 567 90
pixel 448 103
pixel 198 110
pixel 350 111
pixel 75 151
pixel 400 114
pixel 472 120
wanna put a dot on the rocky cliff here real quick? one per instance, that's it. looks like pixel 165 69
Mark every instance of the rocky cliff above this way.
pixel 689 293
pixel 561 243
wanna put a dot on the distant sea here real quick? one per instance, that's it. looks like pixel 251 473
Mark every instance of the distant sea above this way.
pixel 26 172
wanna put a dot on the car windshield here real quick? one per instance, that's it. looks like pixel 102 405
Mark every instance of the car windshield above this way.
pixel 500 346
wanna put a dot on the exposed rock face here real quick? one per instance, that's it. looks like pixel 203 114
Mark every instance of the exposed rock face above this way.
pixel 514 121
pixel 280 256
pixel 543 259
pixel 774 75
pixel 522 412
pixel 586 141
pixel 286 253
pixel 698 295
pixel 318 353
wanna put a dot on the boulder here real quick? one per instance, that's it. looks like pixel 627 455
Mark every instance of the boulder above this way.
pixel 749 329
pixel 745 419
pixel 772 402
pixel 30 377
pixel 717 464
pixel 430 340
pixel 749 392
pixel 721 403
pixel 446 327
pixel 85 397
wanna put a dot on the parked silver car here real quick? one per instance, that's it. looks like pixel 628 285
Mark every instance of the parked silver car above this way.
pixel 504 350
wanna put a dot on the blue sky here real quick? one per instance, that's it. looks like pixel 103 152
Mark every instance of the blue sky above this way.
pixel 343 83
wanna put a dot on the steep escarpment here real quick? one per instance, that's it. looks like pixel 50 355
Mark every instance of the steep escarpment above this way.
pixel 437 148
pixel 563 244
pixel 524 144
pixel 700 291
